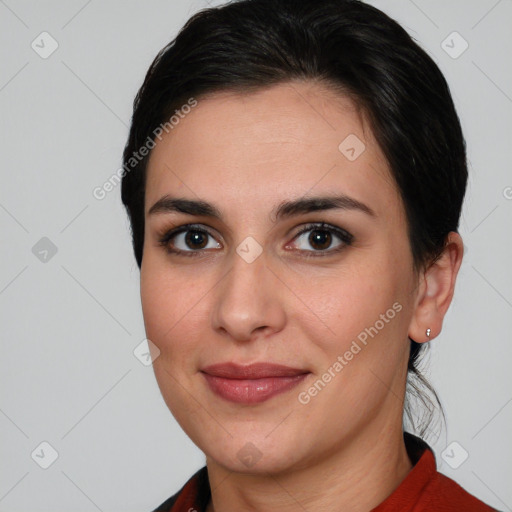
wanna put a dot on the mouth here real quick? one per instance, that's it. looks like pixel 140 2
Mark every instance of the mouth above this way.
pixel 253 383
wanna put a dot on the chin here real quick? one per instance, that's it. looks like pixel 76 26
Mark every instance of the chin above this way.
pixel 252 461
pixel 253 454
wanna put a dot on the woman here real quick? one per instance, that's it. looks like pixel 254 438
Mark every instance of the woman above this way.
pixel 294 177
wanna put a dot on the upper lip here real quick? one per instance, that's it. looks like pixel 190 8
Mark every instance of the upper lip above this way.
pixel 252 371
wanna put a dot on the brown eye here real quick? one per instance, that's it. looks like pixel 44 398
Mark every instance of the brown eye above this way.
pixel 321 238
pixel 188 241
pixel 196 239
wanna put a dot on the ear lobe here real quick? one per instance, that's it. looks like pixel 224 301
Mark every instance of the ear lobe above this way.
pixel 436 289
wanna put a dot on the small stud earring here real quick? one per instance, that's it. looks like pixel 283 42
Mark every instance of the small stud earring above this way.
pixel 428 332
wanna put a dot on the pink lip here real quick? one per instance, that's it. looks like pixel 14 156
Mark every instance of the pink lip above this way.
pixel 253 383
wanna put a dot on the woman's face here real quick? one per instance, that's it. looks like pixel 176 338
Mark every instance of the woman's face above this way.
pixel 247 288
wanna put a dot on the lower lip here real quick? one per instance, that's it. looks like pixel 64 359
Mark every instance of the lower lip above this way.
pixel 252 391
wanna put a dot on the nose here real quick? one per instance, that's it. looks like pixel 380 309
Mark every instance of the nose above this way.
pixel 249 300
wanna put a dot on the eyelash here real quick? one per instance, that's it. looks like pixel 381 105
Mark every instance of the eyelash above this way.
pixel 342 234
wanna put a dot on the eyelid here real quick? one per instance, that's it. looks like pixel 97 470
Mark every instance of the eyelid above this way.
pixel 324 226
pixel 166 235
pixel 345 237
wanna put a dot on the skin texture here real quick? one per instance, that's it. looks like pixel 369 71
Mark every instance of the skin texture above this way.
pixel 343 450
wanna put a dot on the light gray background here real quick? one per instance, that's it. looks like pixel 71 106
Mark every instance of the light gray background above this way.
pixel 69 325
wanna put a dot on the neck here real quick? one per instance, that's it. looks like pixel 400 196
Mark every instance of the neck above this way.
pixel 357 477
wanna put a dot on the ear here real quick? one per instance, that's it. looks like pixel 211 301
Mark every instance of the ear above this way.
pixel 435 291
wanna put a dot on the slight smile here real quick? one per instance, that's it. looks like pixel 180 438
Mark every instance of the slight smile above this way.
pixel 253 383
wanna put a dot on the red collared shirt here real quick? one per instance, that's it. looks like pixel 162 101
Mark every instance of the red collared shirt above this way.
pixel 423 489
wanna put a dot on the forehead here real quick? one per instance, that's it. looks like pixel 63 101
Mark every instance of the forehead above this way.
pixel 262 147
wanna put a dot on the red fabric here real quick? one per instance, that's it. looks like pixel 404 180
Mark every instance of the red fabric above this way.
pixel 187 498
pixel 423 489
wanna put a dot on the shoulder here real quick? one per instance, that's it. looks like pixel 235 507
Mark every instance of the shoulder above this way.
pixel 445 495
pixel 195 494
pixel 426 489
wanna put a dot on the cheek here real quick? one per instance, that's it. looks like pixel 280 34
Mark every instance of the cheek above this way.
pixel 174 306
pixel 360 348
pixel 344 304
pixel 157 304
pixel 163 302
pixel 363 348
pixel 167 325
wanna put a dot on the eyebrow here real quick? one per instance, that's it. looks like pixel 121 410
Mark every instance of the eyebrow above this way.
pixel 286 209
